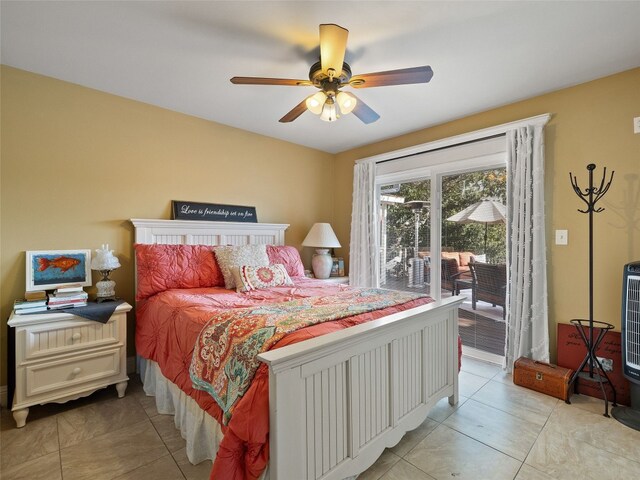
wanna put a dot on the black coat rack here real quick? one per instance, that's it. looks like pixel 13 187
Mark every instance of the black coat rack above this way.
pixel 590 196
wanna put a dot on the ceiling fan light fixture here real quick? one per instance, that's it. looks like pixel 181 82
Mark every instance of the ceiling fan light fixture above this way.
pixel 346 101
pixel 331 73
pixel 329 111
pixel 316 102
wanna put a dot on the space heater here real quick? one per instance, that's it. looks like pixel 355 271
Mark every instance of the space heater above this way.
pixel 630 416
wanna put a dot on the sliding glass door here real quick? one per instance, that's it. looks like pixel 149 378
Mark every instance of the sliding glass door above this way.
pixel 405 236
pixel 457 215
pixel 473 246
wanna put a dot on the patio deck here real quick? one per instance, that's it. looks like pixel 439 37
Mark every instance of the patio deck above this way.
pixel 482 328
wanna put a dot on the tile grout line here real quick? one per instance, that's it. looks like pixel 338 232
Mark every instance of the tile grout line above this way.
pixel 169 451
pixel 149 463
pixel 518 472
pixel 599 447
pixel 149 418
pixel 422 440
pixel 540 433
pixel 486 445
pixel 390 466
pixel 542 472
pixel 513 415
pixel 60 447
pixel 491 447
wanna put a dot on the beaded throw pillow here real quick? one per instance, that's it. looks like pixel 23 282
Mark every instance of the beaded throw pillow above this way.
pixel 234 256
pixel 249 278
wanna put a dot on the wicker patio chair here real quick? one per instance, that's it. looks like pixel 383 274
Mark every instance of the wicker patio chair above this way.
pixel 449 273
pixel 489 284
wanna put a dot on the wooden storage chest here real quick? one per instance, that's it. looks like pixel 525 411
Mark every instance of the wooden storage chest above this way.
pixel 542 377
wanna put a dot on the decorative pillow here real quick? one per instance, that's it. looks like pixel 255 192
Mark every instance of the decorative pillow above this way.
pixel 249 278
pixel 465 258
pixel 161 267
pixel 235 256
pixel 287 256
pixel 479 258
pixel 454 255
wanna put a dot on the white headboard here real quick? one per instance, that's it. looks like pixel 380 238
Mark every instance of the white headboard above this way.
pixel 192 232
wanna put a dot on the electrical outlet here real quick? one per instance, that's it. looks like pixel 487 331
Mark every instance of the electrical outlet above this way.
pixel 636 125
pixel 562 237
pixel 607 363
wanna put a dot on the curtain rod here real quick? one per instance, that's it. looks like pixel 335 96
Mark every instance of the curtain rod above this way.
pixel 442 148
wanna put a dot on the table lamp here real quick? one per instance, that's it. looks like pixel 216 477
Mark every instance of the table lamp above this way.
pixel 105 261
pixel 322 238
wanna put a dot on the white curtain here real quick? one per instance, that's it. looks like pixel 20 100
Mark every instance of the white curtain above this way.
pixel 363 266
pixel 527 315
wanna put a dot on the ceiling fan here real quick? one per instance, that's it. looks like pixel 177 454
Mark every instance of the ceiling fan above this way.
pixel 331 74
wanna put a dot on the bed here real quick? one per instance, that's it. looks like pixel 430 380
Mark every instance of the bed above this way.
pixel 335 400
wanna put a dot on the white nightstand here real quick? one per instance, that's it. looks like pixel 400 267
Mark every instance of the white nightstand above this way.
pixel 344 280
pixel 62 357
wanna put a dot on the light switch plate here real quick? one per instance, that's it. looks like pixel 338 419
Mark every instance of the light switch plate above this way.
pixel 636 125
pixel 562 237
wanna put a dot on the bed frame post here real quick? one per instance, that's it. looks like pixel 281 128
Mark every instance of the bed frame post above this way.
pixel 455 397
pixel 286 438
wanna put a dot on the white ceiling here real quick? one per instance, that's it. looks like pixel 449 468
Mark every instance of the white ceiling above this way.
pixel 180 55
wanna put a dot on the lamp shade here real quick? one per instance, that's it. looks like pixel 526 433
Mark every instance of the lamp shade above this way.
pixel 316 102
pixel 346 101
pixel 321 236
pixel 104 259
pixel 329 111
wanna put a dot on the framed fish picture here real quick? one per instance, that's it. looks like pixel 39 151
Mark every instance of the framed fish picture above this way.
pixel 49 269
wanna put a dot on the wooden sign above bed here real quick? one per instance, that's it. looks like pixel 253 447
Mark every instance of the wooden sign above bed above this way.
pixel 213 212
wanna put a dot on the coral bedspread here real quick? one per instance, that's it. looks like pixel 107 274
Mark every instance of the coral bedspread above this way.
pixel 167 327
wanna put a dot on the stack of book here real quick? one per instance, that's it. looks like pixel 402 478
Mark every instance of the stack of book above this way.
pixel 65 297
pixel 22 307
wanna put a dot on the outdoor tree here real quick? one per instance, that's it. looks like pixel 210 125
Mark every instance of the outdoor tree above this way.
pixel 459 191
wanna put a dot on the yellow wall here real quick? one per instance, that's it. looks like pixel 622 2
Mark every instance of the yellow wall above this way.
pixel 78 163
pixel 591 123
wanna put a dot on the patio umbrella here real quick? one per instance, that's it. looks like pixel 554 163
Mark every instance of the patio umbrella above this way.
pixel 485 211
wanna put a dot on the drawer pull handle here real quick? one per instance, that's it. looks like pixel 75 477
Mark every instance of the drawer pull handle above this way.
pixel 76 371
pixel 76 336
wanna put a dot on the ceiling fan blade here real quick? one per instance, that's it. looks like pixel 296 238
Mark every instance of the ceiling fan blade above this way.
pixel 295 112
pixel 333 45
pixel 403 76
pixel 270 81
pixel 364 112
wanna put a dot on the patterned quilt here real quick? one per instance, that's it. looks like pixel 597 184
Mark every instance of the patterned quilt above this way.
pixel 225 356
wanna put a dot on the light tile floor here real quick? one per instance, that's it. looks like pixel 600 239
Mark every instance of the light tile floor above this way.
pixel 497 431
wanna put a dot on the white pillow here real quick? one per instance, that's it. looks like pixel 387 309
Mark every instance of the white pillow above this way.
pixel 235 256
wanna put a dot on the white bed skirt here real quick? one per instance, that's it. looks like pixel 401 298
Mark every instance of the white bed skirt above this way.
pixel 200 430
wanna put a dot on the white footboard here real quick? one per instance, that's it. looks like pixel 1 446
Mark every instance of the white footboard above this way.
pixel 337 401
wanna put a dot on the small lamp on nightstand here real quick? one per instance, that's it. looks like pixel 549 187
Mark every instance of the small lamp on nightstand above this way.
pixel 105 261
pixel 321 237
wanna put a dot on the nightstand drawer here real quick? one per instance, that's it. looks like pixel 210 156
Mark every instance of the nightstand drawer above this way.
pixel 45 377
pixel 67 336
